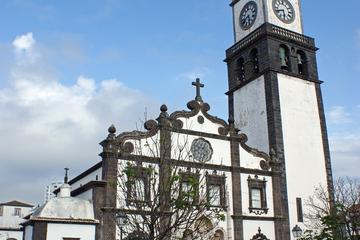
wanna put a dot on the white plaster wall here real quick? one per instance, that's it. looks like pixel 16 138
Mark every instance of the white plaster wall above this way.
pixel 304 151
pixel 260 19
pixel 149 147
pixel 28 232
pixel 250 114
pixel 295 26
pixel 251 229
pixel 228 225
pixel 87 195
pixel 245 195
pixel 193 124
pixel 4 235
pixel 247 160
pixel 88 178
pixel 59 231
pixel 121 184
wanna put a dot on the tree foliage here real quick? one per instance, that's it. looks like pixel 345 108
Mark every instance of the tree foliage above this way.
pixel 164 199
pixel 337 221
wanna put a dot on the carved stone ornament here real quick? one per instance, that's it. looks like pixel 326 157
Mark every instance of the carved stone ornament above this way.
pixel 196 107
pixel 201 150
pixel 259 236
pixel 265 164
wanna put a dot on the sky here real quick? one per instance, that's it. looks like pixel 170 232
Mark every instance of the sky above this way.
pixel 69 69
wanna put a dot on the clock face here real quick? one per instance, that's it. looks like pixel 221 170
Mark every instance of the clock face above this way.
pixel 201 150
pixel 248 15
pixel 284 10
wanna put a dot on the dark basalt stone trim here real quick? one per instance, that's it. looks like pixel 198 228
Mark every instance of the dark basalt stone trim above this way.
pixel 234 2
pixel 87 186
pixel 202 134
pixel 40 231
pixel 61 221
pixel 280 196
pixel 329 175
pixel 198 165
pixel 266 71
pixel 236 188
pixel 199 106
pixel 11 229
pixel 132 211
pixel 152 128
pixel 255 218
pixel 267 30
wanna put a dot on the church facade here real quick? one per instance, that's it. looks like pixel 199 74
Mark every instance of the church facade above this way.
pixel 262 164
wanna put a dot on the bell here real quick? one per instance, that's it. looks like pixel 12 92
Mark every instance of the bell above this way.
pixel 283 58
pixel 300 59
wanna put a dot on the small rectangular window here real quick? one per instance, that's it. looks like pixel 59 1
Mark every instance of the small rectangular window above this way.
pixel 256 198
pixel 215 195
pixel 189 187
pixel 17 212
pixel 1 211
pixel 138 185
pixel 216 190
pixel 299 210
pixel 257 195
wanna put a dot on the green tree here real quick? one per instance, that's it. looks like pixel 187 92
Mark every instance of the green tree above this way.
pixel 341 222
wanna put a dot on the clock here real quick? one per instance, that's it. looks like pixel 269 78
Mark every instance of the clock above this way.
pixel 201 150
pixel 248 15
pixel 284 10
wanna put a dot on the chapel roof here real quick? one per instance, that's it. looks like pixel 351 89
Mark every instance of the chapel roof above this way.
pixel 69 208
pixel 65 208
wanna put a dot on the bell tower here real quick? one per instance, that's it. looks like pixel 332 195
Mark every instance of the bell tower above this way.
pixel 275 99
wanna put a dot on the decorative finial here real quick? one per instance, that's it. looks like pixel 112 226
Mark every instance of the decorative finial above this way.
pixel 198 86
pixel 66 175
pixel 231 120
pixel 272 152
pixel 163 108
pixel 112 129
pixel 259 230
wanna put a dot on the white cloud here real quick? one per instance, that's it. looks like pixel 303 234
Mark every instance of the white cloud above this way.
pixel 345 152
pixel 47 125
pixel 24 42
pixel 338 115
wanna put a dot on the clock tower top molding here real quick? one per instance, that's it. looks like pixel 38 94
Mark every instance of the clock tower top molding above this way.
pixel 251 14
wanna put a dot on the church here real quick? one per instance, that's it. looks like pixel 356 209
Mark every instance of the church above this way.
pixel 246 177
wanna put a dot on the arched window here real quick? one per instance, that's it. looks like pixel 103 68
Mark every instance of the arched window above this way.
pixel 187 235
pixel 240 70
pixel 302 63
pixel 203 225
pixel 254 59
pixel 284 58
pixel 219 235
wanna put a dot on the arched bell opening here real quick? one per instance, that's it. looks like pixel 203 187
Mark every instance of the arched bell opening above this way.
pixel 302 63
pixel 240 70
pixel 284 57
pixel 254 60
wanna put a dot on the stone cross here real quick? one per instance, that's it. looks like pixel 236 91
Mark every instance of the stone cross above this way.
pixel 66 175
pixel 198 86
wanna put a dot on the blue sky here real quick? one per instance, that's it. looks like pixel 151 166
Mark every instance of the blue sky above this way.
pixel 68 69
